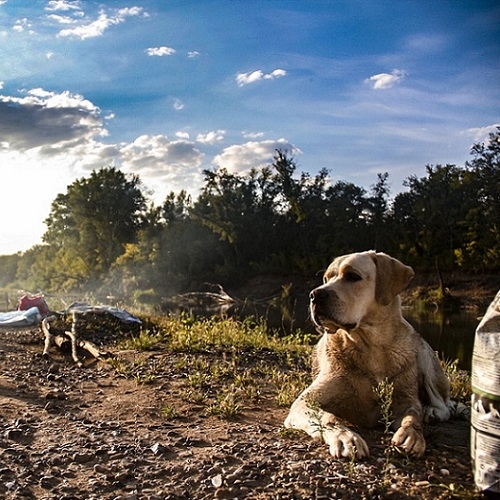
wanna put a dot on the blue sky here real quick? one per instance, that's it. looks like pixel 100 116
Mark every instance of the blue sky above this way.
pixel 167 88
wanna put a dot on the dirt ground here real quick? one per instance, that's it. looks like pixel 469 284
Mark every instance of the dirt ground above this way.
pixel 69 432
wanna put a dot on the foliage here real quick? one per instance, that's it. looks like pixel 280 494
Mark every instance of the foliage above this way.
pixel 87 230
pixel 102 235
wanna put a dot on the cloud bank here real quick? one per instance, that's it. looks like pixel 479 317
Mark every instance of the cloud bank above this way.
pixel 254 76
pixel 47 128
pixel 91 29
pixel 241 158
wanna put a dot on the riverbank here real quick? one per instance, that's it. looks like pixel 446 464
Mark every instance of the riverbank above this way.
pixel 471 292
pixel 193 410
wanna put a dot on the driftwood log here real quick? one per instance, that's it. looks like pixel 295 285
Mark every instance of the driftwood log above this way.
pixel 72 337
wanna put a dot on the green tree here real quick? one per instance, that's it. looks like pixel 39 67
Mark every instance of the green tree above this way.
pixel 378 210
pixel 346 225
pixel 96 218
pixel 483 219
pixel 8 268
pixel 432 214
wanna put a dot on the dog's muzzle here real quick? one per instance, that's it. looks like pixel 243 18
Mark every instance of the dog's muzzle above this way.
pixel 320 306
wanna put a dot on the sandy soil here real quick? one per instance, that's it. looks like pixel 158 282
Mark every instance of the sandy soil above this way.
pixel 69 432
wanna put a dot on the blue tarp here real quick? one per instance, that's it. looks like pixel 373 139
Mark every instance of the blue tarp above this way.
pixel 29 317
pixel 32 316
pixel 84 308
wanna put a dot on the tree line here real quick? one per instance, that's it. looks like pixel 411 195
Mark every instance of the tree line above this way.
pixel 104 234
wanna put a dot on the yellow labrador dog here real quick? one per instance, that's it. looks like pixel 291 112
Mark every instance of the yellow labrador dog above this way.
pixel 367 341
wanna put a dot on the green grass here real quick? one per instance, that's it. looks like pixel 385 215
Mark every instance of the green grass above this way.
pixel 226 365
pixel 459 381
pixel 223 364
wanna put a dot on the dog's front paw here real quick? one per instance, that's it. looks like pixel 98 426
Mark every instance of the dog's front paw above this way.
pixel 345 443
pixel 410 440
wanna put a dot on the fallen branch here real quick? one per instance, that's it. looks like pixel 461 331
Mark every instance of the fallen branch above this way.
pixel 72 337
pixel 49 337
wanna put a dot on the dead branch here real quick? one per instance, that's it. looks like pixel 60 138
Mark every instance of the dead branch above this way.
pixel 49 337
pixel 69 336
pixel 93 349
pixel 73 335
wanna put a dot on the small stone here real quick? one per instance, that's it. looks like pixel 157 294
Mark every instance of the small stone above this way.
pixel 100 469
pixel 51 406
pixel 10 485
pixel 217 480
pixel 82 458
pixel 422 483
pixel 48 482
pixel 56 395
pixel 54 368
pixel 122 477
pixel 444 472
pixel 13 434
pixel 159 449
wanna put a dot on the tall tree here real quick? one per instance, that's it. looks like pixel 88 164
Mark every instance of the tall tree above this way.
pixel 483 220
pixel 436 206
pixel 96 217
pixel 377 207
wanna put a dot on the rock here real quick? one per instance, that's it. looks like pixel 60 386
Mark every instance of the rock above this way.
pixel 13 434
pixel 217 480
pixel 159 449
pixel 48 482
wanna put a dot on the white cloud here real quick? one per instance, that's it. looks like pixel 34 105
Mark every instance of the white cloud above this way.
pixel 480 134
pixel 21 25
pixel 68 127
pixel 427 42
pixel 47 119
pixel 155 153
pixel 178 104
pixel 241 158
pixel 386 80
pixel 61 19
pixel 48 132
pixel 211 137
pixel 193 53
pixel 160 51
pixel 1 85
pixel 252 135
pixel 163 164
pixel 254 76
pixel 102 23
pixel 63 5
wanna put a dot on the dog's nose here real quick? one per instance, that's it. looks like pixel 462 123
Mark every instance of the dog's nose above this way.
pixel 318 295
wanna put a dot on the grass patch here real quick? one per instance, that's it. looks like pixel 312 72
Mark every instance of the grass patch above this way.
pixel 221 363
pixel 459 381
pixel 224 365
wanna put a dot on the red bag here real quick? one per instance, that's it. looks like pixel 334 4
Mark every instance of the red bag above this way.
pixel 28 301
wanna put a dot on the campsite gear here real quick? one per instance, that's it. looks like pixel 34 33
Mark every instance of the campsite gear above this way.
pixel 28 317
pixel 28 301
pixel 485 417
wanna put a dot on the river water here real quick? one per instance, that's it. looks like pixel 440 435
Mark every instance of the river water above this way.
pixel 451 334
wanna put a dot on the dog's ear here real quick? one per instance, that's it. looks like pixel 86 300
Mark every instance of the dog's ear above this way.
pixel 392 277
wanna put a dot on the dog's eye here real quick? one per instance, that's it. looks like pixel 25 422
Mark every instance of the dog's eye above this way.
pixel 328 277
pixel 352 277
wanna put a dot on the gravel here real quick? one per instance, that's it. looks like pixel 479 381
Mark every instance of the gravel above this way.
pixel 84 433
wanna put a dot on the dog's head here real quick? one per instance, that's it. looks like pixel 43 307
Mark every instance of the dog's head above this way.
pixel 355 287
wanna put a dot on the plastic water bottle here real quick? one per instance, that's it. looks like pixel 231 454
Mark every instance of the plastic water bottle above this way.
pixel 485 414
